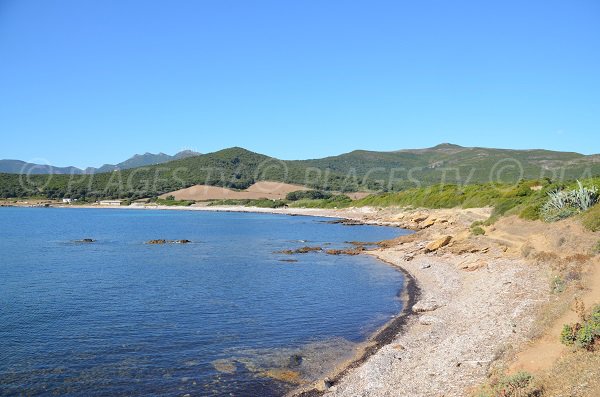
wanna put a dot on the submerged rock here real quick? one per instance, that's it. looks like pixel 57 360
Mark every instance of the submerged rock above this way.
pixel 289 260
pixel 162 241
pixel 224 366
pixel 86 240
pixel 283 375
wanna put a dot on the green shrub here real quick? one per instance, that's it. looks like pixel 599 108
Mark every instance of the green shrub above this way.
pixel 307 194
pixel 504 205
pixel 174 203
pixel 583 335
pixel 591 218
pixel 586 336
pixel 568 335
pixel 557 285
pixel 477 231
pixel 530 212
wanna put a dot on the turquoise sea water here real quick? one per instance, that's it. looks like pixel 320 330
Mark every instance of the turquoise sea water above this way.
pixel 209 318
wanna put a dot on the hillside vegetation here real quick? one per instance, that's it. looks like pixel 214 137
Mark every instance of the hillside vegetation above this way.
pixel 238 168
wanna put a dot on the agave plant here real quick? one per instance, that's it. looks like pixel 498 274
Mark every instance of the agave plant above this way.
pixel 582 197
pixel 558 199
pixel 562 204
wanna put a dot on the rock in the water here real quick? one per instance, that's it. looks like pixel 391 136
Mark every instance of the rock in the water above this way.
pixel 162 241
pixel 437 244
pixel 157 242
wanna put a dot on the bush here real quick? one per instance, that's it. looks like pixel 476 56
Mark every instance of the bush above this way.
pixel 568 335
pixel 307 194
pixel 521 384
pixel 477 231
pixel 557 285
pixel 583 335
pixel 530 212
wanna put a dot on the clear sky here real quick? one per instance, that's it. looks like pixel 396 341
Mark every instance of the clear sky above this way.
pixel 88 82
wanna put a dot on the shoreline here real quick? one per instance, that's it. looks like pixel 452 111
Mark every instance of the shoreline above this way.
pixel 474 299
pixel 383 336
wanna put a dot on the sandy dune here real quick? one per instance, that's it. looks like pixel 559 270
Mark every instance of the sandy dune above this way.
pixel 263 189
pixel 270 190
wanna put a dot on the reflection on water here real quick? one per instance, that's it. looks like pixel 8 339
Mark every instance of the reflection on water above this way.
pixel 220 316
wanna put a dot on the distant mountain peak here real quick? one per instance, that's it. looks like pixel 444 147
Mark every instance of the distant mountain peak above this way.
pixel 447 145
pixel 137 160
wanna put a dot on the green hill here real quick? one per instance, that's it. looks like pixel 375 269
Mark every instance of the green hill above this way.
pixel 358 170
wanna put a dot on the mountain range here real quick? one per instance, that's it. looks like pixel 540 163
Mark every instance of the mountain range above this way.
pixel 138 160
pixel 359 170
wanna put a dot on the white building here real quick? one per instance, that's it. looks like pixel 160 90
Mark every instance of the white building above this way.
pixel 110 202
pixel 68 200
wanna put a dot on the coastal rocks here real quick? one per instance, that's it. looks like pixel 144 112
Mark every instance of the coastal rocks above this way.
pixel 428 223
pixel 425 306
pixel 303 250
pixel 419 218
pixel 350 251
pixel 161 241
pixel 437 244
pixel 345 222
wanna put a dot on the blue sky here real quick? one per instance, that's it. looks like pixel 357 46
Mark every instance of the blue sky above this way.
pixel 87 82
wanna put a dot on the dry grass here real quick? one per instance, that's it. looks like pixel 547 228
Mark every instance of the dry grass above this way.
pixel 575 375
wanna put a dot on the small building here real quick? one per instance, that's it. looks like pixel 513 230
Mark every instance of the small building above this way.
pixel 68 200
pixel 110 202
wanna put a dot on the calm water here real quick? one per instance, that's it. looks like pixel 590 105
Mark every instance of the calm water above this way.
pixel 212 318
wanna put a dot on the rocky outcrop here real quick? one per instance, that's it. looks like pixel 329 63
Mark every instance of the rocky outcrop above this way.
pixel 426 306
pixel 437 244
pixel 303 250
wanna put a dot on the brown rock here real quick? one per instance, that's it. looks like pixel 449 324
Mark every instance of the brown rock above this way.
pixel 428 223
pixel 437 244
pixel 470 267
pixel 425 306
pixel 157 242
